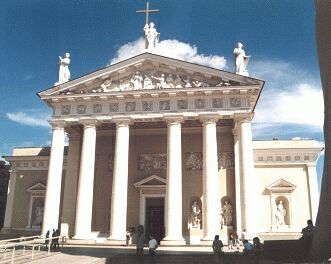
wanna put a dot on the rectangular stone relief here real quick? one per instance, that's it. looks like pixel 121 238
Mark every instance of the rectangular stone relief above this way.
pixel 65 109
pixel 194 161
pixel 147 105
pixel 81 109
pixel 114 107
pixel 130 106
pixel 164 105
pixel 199 103
pixel 217 103
pixel 152 163
pixel 235 102
pixel 97 108
pixel 182 104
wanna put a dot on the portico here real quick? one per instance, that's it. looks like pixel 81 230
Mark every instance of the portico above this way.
pixel 153 129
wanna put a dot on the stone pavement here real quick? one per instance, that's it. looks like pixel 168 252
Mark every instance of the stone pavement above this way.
pixel 173 255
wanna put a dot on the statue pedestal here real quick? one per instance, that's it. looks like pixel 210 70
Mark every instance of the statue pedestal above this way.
pixel 195 235
pixel 282 228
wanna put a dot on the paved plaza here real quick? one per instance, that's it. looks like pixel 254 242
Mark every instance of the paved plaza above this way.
pixel 173 255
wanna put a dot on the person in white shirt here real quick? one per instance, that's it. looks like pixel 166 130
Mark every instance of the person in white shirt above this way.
pixel 152 245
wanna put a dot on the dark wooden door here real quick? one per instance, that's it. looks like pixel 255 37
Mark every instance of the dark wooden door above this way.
pixel 154 218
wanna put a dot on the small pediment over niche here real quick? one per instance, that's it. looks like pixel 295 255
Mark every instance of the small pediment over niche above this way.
pixel 151 181
pixel 39 187
pixel 281 186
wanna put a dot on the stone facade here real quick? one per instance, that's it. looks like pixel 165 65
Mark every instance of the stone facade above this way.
pixel 142 153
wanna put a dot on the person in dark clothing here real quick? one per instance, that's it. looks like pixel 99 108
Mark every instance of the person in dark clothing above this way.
pixel 307 237
pixel 47 239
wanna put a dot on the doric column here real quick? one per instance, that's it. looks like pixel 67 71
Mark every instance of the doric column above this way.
pixel 173 203
pixel 211 191
pixel 248 179
pixel 85 182
pixel 313 190
pixel 10 200
pixel 237 177
pixel 71 182
pixel 120 183
pixel 53 189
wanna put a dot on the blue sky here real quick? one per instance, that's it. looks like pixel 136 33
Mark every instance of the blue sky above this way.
pixel 279 35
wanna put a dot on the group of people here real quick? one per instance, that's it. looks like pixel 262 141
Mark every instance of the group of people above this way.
pixel 54 242
pixel 140 242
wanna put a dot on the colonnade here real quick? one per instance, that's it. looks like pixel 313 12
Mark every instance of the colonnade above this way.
pixel 173 206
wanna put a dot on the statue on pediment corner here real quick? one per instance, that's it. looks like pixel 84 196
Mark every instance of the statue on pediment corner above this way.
pixel 241 60
pixel 151 36
pixel 64 73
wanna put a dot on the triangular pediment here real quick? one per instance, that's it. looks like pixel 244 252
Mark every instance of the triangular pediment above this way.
pixel 149 72
pixel 281 185
pixel 39 187
pixel 151 181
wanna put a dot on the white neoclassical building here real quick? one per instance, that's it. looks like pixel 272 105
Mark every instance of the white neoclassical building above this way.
pixel 166 144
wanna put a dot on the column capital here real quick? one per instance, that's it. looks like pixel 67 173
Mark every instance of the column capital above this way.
pixel 88 123
pixel 122 122
pixel 247 118
pixel 57 124
pixel 209 118
pixel 173 119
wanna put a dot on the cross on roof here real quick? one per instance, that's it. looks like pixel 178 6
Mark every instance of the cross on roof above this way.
pixel 147 11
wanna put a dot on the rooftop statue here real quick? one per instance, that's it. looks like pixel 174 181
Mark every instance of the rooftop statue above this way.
pixel 151 36
pixel 241 60
pixel 64 73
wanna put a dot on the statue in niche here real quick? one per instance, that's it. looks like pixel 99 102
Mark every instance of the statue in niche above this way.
pixel 151 36
pixel 161 81
pixel 137 81
pixel 196 214
pixel 64 73
pixel 241 60
pixel 227 213
pixel 280 214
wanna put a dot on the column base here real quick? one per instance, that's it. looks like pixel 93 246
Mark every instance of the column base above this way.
pixel 172 241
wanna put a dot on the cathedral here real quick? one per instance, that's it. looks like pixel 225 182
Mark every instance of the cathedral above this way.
pixel 166 144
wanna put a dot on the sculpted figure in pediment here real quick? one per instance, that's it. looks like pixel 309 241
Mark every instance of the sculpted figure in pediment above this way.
pixel 137 81
pixel 178 82
pixel 161 83
pixel 148 83
pixel 108 86
pixel 170 81
pixel 187 83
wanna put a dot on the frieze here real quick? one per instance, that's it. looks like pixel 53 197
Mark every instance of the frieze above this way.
pixel 182 104
pixel 147 105
pixel 65 109
pixel 81 109
pixel 97 108
pixel 130 106
pixel 114 107
pixel 200 103
pixel 235 102
pixel 164 105
pixel 218 103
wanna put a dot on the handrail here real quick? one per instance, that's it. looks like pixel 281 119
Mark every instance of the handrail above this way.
pixel 33 242
pixel 18 239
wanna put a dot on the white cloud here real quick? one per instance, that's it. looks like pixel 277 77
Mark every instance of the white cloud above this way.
pixel 291 96
pixel 29 119
pixel 303 104
pixel 170 48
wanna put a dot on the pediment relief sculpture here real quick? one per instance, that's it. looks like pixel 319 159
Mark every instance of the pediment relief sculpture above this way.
pixel 144 80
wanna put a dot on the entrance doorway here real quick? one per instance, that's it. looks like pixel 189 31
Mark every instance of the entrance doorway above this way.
pixel 154 218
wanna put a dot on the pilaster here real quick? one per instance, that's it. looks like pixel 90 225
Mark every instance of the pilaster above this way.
pixel 313 190
pixel 10 200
